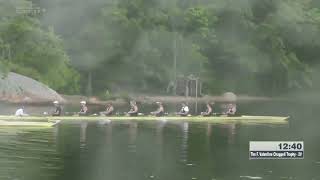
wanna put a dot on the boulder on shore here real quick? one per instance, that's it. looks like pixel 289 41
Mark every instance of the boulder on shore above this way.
pixel 16 88
pixel 229 97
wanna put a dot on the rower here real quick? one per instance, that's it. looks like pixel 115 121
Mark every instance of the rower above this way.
pixel 109 110
pixel 159 111
pixel 184 110
pixel 134 109
pixel 58 110
pixel 231 109
pixel 84 109
pixel 209 110
pixel 20 112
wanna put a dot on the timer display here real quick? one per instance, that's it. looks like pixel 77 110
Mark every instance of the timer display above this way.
pixel 290 146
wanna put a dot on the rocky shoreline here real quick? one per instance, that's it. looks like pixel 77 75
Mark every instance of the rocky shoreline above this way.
pixel 19 89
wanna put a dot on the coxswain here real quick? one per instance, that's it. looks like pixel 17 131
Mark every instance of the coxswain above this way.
pixel 133 109
pixel 109 110
pixel 20 112
pixel 184 110
pixel 84 109
pixel 209 109
pixel 58 110
pixel 159 111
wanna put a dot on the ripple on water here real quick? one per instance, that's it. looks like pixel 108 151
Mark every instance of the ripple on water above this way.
pixel 28 154
pixel 250 177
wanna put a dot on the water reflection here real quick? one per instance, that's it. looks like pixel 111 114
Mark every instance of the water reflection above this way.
pixel 231 129
pixel 159 149
pixel 159 132
pixel 83 133
pixel 145 150
pixel 28 154
pixel 56 132
pixel 209 130
pixel 184 143
pixel 108 133
pixel 133 132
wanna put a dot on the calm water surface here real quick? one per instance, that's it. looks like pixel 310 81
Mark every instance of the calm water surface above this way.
pixel 160 150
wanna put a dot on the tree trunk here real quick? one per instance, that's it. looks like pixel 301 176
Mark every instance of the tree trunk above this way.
pixel 175 61
pixel 89 85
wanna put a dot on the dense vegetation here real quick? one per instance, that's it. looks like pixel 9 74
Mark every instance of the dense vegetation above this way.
pixel 30 49
pixel 260 47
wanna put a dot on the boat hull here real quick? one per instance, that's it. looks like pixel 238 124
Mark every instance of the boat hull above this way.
pixel 4 123
pixel 213 119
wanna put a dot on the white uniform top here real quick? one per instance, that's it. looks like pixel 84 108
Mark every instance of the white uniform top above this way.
pixel 186 109
pixel 20 112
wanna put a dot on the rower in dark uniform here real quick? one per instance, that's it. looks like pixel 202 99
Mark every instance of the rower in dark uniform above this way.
pixel 58 110
pixel 84 109
pixel 109 110
pixel 160 111
pixel 209 110
pixel 134 109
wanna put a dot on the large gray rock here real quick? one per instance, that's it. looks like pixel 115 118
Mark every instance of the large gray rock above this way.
pixel 229 97
pixel 16 88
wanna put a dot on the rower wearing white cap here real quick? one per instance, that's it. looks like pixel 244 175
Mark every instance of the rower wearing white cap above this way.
pixel 159 111
pixel 58 110
pixel 84 109
pixel 209 109
pixel 134 109
pixel 231 109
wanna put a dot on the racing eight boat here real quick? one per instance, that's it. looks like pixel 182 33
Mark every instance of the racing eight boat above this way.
pixel 52 120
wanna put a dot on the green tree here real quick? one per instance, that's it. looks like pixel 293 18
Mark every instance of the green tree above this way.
pixel 257 47
pixel 32 50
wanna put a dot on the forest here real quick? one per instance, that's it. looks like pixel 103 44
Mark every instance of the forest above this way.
pixel 254 47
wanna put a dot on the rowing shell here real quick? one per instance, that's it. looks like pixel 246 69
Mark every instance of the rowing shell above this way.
pixel 213 119
pixel 27 123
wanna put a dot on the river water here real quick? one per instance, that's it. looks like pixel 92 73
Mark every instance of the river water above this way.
pixel 161 150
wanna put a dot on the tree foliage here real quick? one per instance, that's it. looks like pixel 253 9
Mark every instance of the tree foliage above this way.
pixel 262 47
pixel 32 50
